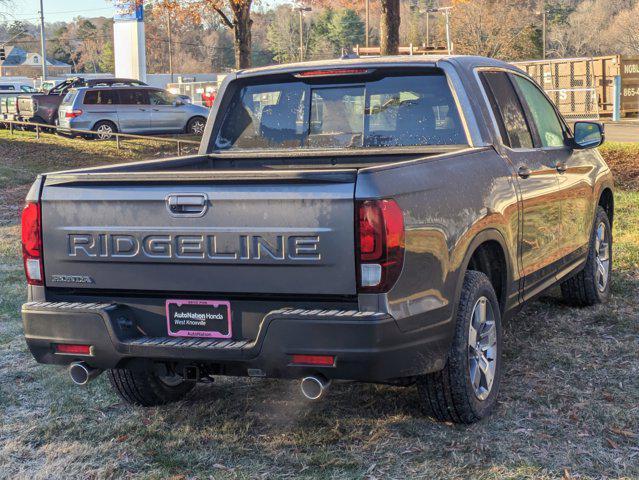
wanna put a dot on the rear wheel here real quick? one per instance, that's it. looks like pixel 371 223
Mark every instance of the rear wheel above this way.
pixel 104 130
pixel 196 126
pixel 591 286
pixel 147 388
pixel 466 390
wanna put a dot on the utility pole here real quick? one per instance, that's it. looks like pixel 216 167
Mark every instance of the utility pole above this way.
pixel 449 42
pixel 168 29
pixel 544 30
pixel 427 29
pixel 43 44
pixel 302 10
pixel 367 21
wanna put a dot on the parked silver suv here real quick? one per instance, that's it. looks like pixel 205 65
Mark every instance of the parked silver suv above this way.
pixel 128 109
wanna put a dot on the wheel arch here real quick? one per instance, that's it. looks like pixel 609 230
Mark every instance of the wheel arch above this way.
pixel 488 253
pixel 607 202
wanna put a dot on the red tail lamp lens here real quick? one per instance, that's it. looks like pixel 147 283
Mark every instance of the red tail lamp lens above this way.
pixel 32 243
pixel 381 244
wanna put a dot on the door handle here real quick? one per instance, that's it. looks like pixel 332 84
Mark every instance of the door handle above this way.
pixel 187 204
pixel 524 172
pixel 561 167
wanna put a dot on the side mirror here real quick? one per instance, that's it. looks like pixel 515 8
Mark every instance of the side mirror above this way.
pixel 589 135
pixel 178 103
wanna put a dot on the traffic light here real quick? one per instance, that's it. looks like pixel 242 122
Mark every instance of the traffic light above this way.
pixel 3 55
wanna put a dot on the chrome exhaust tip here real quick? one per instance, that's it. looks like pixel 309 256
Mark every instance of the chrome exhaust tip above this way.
pixel 81 373
pixel 314 387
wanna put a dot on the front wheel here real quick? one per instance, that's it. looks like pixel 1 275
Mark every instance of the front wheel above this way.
pixel 147 388
pixel 466 390
pixel 196 126
pixel 591 286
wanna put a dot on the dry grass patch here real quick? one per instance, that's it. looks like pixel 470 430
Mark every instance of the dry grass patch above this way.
pixel 569 406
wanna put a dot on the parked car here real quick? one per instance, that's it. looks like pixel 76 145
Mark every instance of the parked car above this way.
pixel 12 88
pixel 107 110
pixel 43 107
pixel 362 219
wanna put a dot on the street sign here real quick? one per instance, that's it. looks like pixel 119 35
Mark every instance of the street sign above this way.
pixel 629 84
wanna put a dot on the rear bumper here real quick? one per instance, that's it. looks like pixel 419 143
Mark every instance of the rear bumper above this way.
pixel 368 346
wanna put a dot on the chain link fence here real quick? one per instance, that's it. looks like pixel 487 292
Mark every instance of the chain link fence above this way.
pixel 570 84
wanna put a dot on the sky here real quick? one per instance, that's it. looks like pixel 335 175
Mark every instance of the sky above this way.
pixel 57 10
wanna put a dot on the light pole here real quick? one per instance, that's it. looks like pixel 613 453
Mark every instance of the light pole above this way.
pixel 541 10
pixel 367 19
pixel 43 44
pixel 302 10
pixel 168 29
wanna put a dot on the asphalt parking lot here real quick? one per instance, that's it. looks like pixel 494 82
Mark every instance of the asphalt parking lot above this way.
pixel 622 132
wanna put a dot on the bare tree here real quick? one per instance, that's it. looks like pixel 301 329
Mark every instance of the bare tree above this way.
pixel 494 28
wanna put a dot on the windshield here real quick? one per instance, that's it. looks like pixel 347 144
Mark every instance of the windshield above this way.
pixel 393 111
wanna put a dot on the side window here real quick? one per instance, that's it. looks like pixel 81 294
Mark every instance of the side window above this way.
pixel 99 97
pixel 158 97
pixel 134 97
pixel 508 110
pixel 544 115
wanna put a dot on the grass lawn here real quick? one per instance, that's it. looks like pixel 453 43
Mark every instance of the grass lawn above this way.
pixel 569 404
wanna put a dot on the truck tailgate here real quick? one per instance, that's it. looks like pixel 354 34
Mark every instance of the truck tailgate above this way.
pixel 288 235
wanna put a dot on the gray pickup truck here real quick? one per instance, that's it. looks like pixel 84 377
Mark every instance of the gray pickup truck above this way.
pixel 359 219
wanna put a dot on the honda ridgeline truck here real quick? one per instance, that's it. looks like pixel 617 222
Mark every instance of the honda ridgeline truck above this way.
pixel 361 219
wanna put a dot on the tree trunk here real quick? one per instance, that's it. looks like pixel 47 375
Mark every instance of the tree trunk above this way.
pixel 242 32
pixel 389 27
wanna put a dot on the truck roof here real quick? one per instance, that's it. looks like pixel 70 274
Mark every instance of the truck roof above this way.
pixel 379 61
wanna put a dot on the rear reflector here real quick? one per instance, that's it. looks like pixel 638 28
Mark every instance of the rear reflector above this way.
pixel 73 349
pixel 322 360
pixel 332 72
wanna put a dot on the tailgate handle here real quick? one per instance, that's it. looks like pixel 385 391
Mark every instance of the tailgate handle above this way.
pixel 187 204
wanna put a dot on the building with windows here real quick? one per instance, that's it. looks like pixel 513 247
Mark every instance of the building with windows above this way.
pixel 19 63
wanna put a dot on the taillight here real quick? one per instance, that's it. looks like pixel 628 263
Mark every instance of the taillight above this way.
pixel 381 245
pixel 73 113
pixel 32 243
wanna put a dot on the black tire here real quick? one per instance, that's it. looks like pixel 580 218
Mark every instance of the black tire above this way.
pixel 584 289
pixel 195 126
pixel 105 130
pixel 449 395
pixel 146 388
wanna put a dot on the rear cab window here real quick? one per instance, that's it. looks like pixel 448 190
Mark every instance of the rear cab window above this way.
pixel 384 108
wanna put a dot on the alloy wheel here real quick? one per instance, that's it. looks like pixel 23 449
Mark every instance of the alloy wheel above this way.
pixel 602 257
pixel 197 128
pixel 482 348
pixel 104 132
